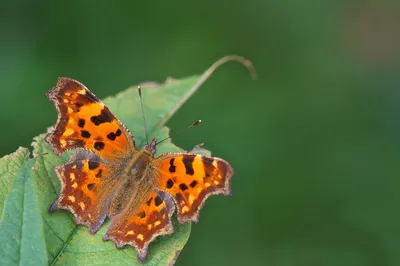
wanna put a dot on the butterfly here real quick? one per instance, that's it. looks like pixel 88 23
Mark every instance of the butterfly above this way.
pixel 108 176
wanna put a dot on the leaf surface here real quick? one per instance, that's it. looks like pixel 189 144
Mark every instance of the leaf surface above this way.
pixel 21 228
pixel 10 165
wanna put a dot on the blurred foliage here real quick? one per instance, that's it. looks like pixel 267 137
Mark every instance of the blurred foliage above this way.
pixel 314 141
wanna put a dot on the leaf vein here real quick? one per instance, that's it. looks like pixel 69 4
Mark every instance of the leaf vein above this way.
pixel 64 246
pixel 52 230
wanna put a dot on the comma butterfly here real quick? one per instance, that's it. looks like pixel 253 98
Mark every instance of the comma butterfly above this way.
pixel 109 176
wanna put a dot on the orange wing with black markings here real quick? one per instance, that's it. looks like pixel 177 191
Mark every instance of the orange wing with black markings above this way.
pixel 86 186
pixel 139 226
pixel 85 122
pixel 191 179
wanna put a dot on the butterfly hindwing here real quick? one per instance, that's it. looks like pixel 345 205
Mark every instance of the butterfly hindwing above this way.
pixel 190 179
pixel 85 122
pixel 86 184
pixel 139 226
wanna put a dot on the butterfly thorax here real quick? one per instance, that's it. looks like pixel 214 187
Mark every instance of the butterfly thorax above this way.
pixel 138 164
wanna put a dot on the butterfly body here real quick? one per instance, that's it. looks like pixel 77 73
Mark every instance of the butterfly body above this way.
pixel 107 176
pixel 137 180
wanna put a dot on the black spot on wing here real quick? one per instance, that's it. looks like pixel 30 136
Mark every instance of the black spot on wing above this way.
pixel 111 136
pixel 158 201
pixel 104 117
pixel 193 184
pixel 90 186
pixel 188 162
pixel 172 167
pixel 170 183
pixel 93 165
pixel 81 123
pixel 183 187
pixel 85 134
pixel 142 214
pixel 98 145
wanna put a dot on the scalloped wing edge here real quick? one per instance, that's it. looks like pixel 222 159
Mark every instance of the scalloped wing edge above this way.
pixel 165 231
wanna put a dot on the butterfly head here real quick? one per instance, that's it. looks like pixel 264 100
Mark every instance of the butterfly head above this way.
pixel 151 147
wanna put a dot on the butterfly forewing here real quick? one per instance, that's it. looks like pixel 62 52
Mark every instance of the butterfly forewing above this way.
pixel 85 122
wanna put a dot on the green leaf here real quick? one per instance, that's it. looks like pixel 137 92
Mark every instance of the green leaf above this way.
pixel 21 228
pixel 70 244
pixel 10 165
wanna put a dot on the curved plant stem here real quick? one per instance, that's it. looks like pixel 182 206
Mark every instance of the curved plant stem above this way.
pixel 206 75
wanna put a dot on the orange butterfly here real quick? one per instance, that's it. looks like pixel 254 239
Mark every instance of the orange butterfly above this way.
pixel 109 176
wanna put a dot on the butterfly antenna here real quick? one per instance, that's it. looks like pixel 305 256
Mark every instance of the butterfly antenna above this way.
pixel 181 131
pixel 144 117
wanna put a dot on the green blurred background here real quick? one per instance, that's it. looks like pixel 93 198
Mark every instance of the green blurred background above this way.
pixel 314 140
